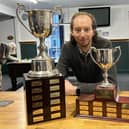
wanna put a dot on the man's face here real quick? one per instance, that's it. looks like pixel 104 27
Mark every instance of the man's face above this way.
pixel 82 31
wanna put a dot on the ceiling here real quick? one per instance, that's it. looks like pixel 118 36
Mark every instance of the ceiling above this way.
pixel 4 17
pixel 62 3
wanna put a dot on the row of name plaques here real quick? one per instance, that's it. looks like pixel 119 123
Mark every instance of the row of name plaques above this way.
pixel 45 98
pixel 90 107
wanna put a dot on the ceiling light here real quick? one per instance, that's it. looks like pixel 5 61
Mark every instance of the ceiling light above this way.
pixel 34 1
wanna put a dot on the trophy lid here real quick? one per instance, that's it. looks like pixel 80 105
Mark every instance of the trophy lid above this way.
pixel 41 58
pixel 39 10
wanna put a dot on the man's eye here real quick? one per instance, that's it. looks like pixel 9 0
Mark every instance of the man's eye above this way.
pixel 78 30
pixel 86 30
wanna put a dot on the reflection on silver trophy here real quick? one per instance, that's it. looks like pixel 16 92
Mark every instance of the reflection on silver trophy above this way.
pixel 40 26
pixel 105 58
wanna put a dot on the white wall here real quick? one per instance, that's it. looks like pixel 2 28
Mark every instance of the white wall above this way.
pixel 119 28
pixel 7 28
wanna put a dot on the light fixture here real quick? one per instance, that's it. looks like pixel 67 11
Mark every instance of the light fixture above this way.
pixel 34 1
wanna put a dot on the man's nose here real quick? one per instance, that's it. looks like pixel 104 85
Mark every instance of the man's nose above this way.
pixel 82 33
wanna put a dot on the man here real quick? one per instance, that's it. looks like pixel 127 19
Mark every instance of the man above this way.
pixel 75 55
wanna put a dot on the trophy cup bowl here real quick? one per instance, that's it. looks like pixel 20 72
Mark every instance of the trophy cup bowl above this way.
pixel 105 58
pixel 40 24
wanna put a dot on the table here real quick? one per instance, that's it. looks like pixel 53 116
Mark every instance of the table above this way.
pixel 13 116
pixel 16 69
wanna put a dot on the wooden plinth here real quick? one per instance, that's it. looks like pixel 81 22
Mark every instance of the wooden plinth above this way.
pixel 105 93
pixel 115 110
pixel 45 98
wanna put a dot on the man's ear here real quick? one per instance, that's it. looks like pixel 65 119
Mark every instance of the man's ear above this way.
pixel 71 33
pixel 94 32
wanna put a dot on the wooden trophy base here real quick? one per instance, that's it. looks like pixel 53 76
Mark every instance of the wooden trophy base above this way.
pixel 115 110
pixel 105 93
pixel 45 98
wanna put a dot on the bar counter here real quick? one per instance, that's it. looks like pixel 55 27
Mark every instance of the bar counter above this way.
pixel 13 116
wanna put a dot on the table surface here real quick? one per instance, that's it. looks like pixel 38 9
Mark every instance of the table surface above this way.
pixel 13 116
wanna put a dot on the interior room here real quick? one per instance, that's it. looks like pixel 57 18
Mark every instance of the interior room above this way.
pixel 36 31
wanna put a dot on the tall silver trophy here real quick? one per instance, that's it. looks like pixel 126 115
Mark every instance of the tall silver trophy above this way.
pixel 40 26
pixel 105 58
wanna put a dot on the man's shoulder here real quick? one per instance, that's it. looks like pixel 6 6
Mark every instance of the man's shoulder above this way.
pixel 68 44
pixel 102 39
pixel 102 42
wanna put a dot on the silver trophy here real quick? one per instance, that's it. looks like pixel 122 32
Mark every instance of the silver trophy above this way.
pixel 40 26
pixel 105 58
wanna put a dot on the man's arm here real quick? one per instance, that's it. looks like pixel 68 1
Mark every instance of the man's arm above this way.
pixel 70 89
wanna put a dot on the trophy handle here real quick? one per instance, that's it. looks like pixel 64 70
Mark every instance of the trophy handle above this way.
pixel 19 8
pixel 115 50
pixel 93 49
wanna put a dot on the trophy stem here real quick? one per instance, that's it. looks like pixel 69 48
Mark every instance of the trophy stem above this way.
pixel 42 49
pixel 106 83
pixel 42 65
pixel 105 75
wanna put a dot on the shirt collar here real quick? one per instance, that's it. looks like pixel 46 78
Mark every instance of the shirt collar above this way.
pixel 84 53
